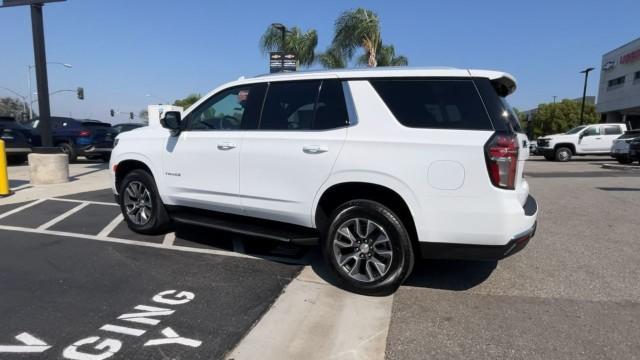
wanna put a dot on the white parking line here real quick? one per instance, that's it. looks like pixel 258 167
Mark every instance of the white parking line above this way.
pixel 169 239
pixel 150 244
pixel 63 216
pixel 112 225
pixel 18 209
pixel 82 201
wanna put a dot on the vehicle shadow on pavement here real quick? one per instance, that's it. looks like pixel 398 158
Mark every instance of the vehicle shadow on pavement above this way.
pixel 16 183
pixel 456 275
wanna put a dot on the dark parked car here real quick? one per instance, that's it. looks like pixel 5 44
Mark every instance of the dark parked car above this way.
pixel 634 150
pixel 89 138
pixel 17 140
pixel 120 128
pixel 620 147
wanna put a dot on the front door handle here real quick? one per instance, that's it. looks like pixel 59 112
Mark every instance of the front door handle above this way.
pixel 315 149
pixel 598 138
pixel 226 146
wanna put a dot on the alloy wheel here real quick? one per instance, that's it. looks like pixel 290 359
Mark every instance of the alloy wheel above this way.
pixel 137 202
pixel 362 249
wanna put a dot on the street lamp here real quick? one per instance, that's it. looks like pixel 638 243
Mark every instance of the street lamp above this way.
pixel 283 31
pixel 584 92
pixel 157 97
pixel 29 67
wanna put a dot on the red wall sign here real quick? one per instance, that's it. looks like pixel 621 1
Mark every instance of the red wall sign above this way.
pixel 630 57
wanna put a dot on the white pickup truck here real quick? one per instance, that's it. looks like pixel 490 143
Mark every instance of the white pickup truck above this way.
pixel 595 139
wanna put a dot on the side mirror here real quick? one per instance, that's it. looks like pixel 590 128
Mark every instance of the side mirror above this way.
pixel 172 120
pixel 582 135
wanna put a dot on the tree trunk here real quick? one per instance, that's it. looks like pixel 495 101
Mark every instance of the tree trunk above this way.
pixel 372 59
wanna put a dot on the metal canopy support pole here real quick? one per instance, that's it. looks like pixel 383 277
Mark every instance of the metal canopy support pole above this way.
pixel 37 27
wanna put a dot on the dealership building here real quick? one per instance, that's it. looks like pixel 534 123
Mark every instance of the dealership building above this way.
pixel 619 90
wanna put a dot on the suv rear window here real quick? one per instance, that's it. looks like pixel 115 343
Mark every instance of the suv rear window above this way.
pixel 435 104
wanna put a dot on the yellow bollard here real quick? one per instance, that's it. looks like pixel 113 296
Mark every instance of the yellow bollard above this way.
pixel 4 176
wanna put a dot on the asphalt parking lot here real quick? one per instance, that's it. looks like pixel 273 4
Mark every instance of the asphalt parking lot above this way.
pixel 574 292
pixel 63 288
pixel 76 280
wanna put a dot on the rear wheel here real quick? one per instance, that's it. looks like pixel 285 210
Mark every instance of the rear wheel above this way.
pixel 367 248
pixel 625 160
pixel 563 154
pixel 69 150
pixel 141 205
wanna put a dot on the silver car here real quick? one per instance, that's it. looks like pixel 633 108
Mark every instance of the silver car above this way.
pixel 620 148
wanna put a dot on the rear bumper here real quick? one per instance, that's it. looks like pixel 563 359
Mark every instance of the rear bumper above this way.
pixel 430 250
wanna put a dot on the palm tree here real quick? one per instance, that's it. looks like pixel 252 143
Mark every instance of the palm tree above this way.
pixel 386 56
pixel 355 29
pixel 333 58
pixel 303 44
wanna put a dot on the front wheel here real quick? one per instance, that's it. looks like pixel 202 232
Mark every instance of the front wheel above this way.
pixel 69 150
pixel 563 154
pixel 367 248
pixel 141 205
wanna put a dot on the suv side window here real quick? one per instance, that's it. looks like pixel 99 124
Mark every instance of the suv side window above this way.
pixel 592 131
pixel 289 105
pixel 612 130
pixel 436 104
pixel 225 110
pixel 331 108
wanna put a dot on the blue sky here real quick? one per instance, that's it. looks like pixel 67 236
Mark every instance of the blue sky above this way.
pixel 123 49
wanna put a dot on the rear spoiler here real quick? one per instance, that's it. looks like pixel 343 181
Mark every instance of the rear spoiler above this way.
pixel 504 83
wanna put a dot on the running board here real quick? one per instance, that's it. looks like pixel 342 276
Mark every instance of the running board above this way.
pixel 246 226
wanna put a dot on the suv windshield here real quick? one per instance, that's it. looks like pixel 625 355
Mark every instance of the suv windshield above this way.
pixel 575 129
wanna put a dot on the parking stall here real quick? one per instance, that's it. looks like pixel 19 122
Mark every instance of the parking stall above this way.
pixel 96 290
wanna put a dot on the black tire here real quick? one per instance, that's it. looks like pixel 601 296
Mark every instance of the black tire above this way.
pixel 625 160
pixel 16 159
pixel 69 150
pixel 159 219
pixel 399 242
pixel 563 154
pixel 550 157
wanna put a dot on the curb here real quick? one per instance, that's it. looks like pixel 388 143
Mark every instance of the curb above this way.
pixel 621 167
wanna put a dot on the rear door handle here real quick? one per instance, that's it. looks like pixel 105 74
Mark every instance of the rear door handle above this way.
pixel 598 138
pixel 226 146
pixel 315 149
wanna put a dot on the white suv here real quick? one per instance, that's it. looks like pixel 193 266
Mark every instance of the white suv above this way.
pixel 378 166
pixel 596 139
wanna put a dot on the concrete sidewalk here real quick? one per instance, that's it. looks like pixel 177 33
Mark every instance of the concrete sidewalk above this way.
pixel 84 176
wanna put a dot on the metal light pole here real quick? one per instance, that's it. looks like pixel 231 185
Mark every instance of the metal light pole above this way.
pixel 29 67
pixel 584 92
pixel 283 30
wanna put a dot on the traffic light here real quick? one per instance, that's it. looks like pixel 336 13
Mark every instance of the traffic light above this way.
pixel 113 113
pixel 80 92
pixel 131 115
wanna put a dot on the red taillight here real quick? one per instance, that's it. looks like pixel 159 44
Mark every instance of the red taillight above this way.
pixel 85 133
pixel 502 160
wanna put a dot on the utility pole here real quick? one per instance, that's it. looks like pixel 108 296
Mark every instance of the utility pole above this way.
pixel 39 52
pixel 584 92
